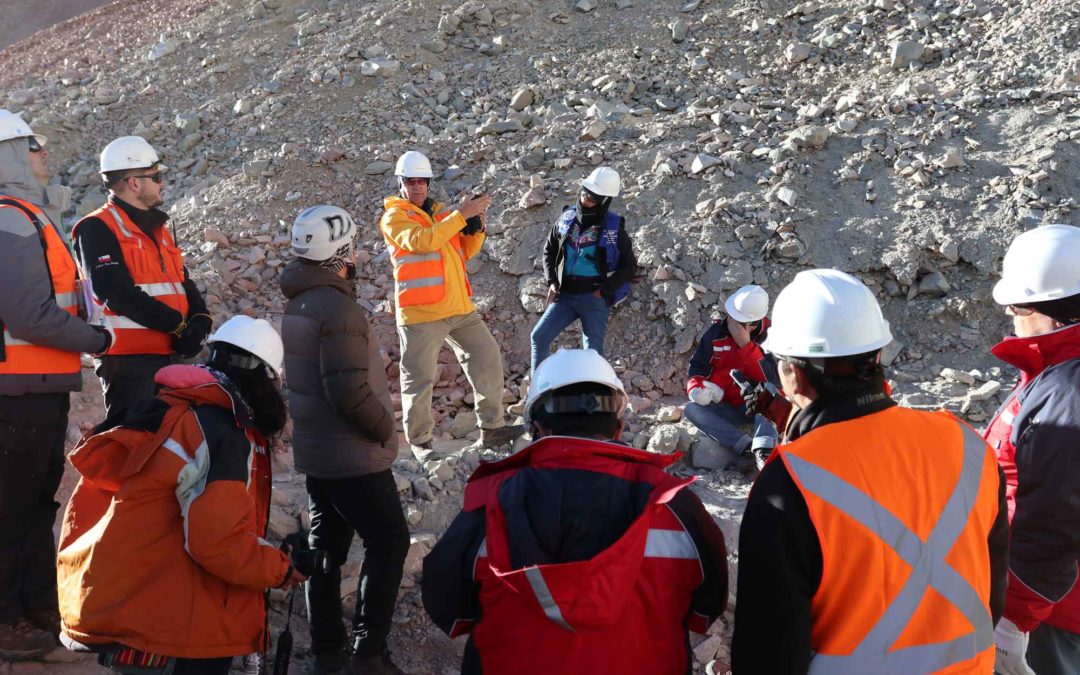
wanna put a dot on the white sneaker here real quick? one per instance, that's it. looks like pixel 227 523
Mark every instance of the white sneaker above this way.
pixel 253 664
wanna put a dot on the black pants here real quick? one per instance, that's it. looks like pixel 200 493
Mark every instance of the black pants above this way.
pixel 203 666
pixel 369 506
pixel 129 378
pixel 32 432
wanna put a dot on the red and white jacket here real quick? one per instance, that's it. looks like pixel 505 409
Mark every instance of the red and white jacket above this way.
pixel 577 556
pixel 717 354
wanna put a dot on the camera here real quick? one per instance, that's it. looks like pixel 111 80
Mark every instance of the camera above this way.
pixel 306 560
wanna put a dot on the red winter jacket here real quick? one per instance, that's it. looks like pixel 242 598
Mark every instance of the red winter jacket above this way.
pixel 576 557
pixel 717 354
pixel 1034 436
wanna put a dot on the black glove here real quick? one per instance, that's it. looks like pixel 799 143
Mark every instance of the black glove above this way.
pixel 108 340
pixel 766 400
pixel 192 339
pixel 472 226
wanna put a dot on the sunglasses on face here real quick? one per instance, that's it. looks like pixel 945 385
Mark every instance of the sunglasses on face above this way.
pixel 587 196
pixel 416 180
pixel 156 177
pixel 34 145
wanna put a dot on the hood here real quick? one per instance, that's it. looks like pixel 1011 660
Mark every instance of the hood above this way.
pixel 109 454
pixel 298 277
pixel 16 176
pixel 588 593
pixel 1034 354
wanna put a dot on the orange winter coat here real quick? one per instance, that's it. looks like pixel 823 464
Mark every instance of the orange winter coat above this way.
pixel 161 547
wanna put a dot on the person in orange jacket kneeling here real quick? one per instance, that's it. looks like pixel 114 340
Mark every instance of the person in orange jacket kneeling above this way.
pixel 162 561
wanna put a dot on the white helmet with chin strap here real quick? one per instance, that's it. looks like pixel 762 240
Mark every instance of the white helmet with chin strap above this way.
pixel 256 337
pixel 13 126
pixel 320 231
pixel 574 366
pixel 1041 264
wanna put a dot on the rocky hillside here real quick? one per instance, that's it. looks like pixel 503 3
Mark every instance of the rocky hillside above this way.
pixel 905 142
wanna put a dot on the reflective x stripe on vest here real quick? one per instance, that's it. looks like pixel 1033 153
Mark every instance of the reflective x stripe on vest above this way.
pixel 929 571
pixel 157 268
pixel 23 357
pixel 419 278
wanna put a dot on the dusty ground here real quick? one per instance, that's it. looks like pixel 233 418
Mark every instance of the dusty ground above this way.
pixel 22 18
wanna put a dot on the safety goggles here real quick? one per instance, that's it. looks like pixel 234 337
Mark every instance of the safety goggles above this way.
pixel 34 145
pixel 156 177
pixel 415 180
pixel 590 196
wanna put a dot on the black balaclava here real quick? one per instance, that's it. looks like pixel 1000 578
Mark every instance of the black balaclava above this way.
pixel 255 385
pixel 593 215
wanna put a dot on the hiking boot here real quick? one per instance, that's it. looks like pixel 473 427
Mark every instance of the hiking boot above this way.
pixel 423 452
pixel 47 620
pixel 331 663
pixel 517 409
pixel 21 640
pixel 377 664
pixel 496 438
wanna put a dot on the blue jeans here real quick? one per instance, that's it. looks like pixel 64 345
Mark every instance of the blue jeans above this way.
pixel 567 308
pixel 721 422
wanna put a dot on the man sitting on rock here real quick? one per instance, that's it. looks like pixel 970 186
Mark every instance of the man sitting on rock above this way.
pixel 577 555
pixel 733 342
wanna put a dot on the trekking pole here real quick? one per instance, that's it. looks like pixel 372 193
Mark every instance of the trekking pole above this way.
pixel 283 650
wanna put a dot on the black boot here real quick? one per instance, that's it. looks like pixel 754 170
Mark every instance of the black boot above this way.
pixel 376 664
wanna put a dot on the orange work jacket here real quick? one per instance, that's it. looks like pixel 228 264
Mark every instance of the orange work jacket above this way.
pixel 156 267
pixel 23 357
pixel 903 502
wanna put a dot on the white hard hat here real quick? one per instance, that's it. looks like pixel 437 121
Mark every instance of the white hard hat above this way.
pixel 413 164
pixel 1041 264
pixel 825 313
pixel 129 152
pixel 748 304
pixel 318 232
pixel 574 366
pixel 255 336
pixel 603 181
pixel 13 126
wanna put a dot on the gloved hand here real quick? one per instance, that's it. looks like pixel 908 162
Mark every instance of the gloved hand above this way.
pixel 192 339
pixel 472 226
pixel 1010 649
pixel 714 388
pixel 700 395
pixel 108 334
pixel 766 400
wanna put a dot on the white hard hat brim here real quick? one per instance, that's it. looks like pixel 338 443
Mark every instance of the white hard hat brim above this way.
pixel 592 186
pixel 770 346
pixel 42 140
pixel 729 307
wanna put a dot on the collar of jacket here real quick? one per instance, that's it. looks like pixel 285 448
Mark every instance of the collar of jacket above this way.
pixel 299 276
pixel 148 220
pixel 394 201
pixel 1034 354
pixel 202 385
pixel 568 452
pixel 874 398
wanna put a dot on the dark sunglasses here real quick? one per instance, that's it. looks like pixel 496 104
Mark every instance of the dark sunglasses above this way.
pixel 156 177
pixel 591 196
pixel 415 180
pixel 34 145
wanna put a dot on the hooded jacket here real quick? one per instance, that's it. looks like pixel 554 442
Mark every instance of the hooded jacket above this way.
pixel 1034 435
pixel 577 556
pixel 162 545
pixel 343 418
pixel 27 309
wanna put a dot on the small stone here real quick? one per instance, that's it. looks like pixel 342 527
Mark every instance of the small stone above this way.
pixel 497 128
pixel 664 440
pixel 463 423
pixel 593 131
pixel 379 67
pixel 706 453
pixel 669 413
pixel 957 376
pixel 679 29
pixel 243 106
pixel 164 47
pixel 797 52
pixel 788 195
pixel 934 285
pixel 533 197
pixel 810 136
pixel 377 168
pixel 951 159
pixel 20 97
pixel 702 162
pixel 216 236
pixel 522 98
pixel 985 391
pixel 586 5
pixel 904 53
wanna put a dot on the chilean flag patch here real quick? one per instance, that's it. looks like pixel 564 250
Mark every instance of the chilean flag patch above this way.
pixel 105 259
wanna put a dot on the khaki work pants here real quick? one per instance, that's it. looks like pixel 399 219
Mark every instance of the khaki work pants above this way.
pixel 476 351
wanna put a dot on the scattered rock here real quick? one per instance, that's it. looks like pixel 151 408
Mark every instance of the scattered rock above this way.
pixel 905 52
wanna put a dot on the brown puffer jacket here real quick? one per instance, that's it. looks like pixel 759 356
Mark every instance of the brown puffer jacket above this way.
pixel 335 382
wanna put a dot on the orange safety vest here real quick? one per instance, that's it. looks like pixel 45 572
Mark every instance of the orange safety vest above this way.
pixel 156 267
pixel 418 277
pixel 903 502
pixel 23 357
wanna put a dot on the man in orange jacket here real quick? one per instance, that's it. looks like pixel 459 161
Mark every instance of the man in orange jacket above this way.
pixel 162 558
pixel 875 539
pixel 429 246
pixel 41 336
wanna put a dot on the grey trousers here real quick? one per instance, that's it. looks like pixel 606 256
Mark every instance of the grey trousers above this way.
pixel 480 358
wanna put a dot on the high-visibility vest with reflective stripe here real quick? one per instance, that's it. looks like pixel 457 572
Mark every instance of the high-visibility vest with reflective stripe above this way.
pixel 22 357
pixel 903 502
pixel 156 267
pixel 567 617
pixel 420 278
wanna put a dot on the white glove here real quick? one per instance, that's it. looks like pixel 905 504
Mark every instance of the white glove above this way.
pixel 717 392
pixel 701 395
pixel 1010 645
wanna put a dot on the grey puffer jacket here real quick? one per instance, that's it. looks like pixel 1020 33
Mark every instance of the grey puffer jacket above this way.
pixel 335 382
pixel 27 309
